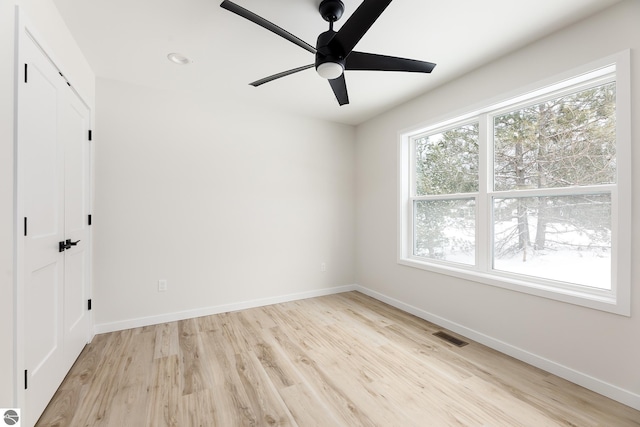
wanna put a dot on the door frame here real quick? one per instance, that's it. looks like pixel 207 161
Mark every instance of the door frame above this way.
pixel 24 28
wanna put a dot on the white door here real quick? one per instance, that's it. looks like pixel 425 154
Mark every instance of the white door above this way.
pixel 75 128
pixel 42 170
pixel 54 176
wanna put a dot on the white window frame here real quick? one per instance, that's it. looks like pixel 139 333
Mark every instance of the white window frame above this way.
pixel 617 299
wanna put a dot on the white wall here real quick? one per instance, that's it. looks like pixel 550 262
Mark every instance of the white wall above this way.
pixel 600 350
pixel 54 36
pixel 229 203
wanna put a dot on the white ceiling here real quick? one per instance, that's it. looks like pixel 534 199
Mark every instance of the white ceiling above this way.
pixel 129 40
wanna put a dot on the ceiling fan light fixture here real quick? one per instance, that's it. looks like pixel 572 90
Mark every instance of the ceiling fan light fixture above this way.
pixel 330 70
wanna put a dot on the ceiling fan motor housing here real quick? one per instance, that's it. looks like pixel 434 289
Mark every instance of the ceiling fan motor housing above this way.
pixel 324 54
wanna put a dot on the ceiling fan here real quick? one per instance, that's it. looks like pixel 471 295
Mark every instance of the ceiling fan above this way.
pixel 334 50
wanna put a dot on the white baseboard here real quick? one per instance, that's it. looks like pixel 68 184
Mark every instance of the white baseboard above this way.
pixel 611 391
pixel 207 311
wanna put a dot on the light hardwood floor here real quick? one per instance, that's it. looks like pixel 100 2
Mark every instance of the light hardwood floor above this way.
pixel 340 360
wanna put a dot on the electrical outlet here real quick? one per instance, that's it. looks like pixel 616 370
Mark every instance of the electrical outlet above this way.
pixel 162 285
pixel 323 266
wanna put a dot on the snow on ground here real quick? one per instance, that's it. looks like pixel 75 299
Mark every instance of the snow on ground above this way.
pixel 581 268
pixel 584 265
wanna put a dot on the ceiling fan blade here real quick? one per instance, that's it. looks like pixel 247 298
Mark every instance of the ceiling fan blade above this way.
pixel 339 87
pixel 357 25
pixel 239 10
pixel 374 62
pixel 282 74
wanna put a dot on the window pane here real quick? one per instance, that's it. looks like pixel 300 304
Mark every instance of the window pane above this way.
pixel 563 142
pixel 445 229
pixel 447 162
pixel 565 238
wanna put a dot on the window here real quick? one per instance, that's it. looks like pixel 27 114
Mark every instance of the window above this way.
pixel 445 167
pixel 531 193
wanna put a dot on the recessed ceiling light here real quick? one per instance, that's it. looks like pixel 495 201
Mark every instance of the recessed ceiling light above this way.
pixel 178 58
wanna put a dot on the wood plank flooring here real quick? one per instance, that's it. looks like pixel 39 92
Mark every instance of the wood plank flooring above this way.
pixel 340 360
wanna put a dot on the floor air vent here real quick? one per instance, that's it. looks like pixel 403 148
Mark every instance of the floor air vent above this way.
pixel 453 340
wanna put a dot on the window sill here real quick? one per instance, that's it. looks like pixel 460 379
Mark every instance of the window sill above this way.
pixel 603 300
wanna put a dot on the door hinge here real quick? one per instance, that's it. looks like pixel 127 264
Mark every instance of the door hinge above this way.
pixel 25 72
pixel 65 79
pixel 89 304
pixel 25 226
pixel 89 219
pixel 90 134
pixel 26 375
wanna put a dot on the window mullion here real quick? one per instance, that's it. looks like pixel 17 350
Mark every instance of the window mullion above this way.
pixel 483 205
pixel 406 192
